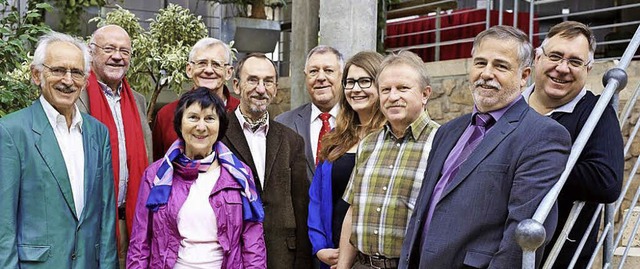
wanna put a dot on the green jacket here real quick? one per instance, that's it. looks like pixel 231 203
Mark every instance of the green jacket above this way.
pixel 39 227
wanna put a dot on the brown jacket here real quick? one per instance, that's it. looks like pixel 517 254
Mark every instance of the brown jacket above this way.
pixel 286 195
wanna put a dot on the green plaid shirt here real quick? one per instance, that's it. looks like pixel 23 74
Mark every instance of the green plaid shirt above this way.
pixel 384 186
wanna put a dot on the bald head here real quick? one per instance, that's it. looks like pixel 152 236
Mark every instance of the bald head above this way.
pixel 111 51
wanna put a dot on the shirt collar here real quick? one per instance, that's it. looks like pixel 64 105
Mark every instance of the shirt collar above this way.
pixel 110 92
pixel 566 108
pixel 53 115
pixel 414 129
pixel 496 114
pixel 315 111
pixel 246 125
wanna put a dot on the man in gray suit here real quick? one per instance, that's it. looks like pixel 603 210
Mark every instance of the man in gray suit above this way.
pixel 487 170
pixel 56 191
pixel 323 72
pixel 109 99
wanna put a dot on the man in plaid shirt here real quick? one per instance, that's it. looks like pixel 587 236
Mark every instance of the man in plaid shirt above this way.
pixel 390 165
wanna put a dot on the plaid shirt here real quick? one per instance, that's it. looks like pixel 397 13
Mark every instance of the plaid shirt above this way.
pixel 384 186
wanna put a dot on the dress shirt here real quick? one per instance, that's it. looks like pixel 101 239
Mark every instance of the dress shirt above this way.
pixel 385 183
pixel 566 108
pixel 71 146
pixel 114 98
pixel 316 125
pixel 197 225
pixel 257 142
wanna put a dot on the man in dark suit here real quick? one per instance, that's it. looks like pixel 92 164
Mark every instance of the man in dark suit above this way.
pixel 323 72
pixel 562 64
pixel 58 208
pixel 275 154
pixel 489 170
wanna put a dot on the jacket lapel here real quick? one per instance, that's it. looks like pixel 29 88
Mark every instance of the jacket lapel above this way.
pixel 302 125
pixel 238 143
pixel 491 140
pixel 274 141
pixel 49 150
pixel 90 160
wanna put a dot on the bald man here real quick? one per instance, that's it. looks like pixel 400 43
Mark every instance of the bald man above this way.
pixel 110 99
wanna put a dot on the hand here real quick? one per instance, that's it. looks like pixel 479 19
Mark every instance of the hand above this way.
pixel 328 256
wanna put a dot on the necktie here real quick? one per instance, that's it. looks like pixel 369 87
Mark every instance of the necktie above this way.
pixel 326 127
pixel 480 125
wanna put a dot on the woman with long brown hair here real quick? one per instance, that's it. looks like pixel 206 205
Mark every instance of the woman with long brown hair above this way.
pixel 359 115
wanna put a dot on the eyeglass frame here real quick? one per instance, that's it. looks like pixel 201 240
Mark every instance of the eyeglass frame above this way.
pixel 112 50
pixel 568 60
pixel 209 63
pixel 357 81
pixel 255 82
pixel 55 71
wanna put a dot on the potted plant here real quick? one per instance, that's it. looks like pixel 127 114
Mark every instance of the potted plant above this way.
pixel 249 28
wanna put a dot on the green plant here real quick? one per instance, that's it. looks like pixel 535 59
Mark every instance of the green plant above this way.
pixel 18 37
pixel 159 54
pixel 71 13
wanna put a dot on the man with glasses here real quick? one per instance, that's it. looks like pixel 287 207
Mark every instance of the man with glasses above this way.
pixel 56 191
pixel 562 64
pixel 110 99
pixel 275 154
pixel 209 65
pixel 323 71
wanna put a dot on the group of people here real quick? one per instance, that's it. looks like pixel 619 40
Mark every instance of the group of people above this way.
pixel 360 177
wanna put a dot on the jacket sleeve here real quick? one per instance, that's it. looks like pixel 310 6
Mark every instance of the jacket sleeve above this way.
pixel 108 245
pixel 317 235
pixel 598 173
pixel 300 197
pixel 139 251
pixel 9 190
pixel 537 169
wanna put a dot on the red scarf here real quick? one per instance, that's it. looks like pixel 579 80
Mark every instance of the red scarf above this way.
pixel 136 153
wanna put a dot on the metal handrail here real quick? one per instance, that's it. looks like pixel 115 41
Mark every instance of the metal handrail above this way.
pixel 615 80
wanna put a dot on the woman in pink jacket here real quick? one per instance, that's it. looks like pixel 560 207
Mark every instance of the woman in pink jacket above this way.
pixel 198 207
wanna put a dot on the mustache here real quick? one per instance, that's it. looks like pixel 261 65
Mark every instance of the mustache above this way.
pixel 490 83
pixel 65 89
pixel 260 96
pixel 396 104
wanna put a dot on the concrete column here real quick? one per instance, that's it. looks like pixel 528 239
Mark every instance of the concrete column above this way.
pixel 349 26
pixel 304 36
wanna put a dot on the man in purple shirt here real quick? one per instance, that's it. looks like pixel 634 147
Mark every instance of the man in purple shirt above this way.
pixel 488 170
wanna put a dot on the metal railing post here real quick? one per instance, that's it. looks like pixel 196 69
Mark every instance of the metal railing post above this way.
pixel 438 25
pixel 609 247
pixel 531 9
pixel 530 235
pixel 515 13
pixel 500 9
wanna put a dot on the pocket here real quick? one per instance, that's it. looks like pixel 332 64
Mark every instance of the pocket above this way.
pixel 291 242
pixel 33 253
pixel 477 259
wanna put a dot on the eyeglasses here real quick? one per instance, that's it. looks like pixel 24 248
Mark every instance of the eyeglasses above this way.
pixel 111 50
pixel 557 59
pixel 202 64
pixel 363 83
pixel 57 71
pixel 254 82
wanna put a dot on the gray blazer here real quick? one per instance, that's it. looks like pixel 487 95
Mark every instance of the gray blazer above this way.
pixel 141 103
pixel 299 119
pixel 500 184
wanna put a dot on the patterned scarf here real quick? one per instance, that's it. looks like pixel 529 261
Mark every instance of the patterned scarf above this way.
pixel 254 125
pixel 251 204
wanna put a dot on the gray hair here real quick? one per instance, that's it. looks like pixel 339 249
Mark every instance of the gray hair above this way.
pixel 209 42
pixel 322 49
pixel 504 32
pixel 52 37
pixel 569 30
pixel 409 58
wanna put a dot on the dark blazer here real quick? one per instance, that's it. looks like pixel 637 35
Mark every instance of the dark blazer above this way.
pixel 299 120
pixel 39 227
pixel 286 195
pixel 500 184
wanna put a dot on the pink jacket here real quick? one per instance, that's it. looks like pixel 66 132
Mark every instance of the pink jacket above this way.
pixel 155 238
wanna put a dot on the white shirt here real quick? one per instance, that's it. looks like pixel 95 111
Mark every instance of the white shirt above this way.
pixel 257 142
pixel 316 125
pixel 566 108
pixel 72 149
pixel 198 226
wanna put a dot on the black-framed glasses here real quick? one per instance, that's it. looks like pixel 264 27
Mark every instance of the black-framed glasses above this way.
pixel 254 82
pixel 111 50
pixel 215 64
pixel 558 59
pixel 363 83
pixel 58 71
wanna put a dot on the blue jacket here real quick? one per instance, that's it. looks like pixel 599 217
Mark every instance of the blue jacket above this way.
pixel 321 209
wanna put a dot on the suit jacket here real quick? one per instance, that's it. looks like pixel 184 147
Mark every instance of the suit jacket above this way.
pixel 39 227
pixel 285 196
pixel 500 184
pixel 299 120
pixel 141 103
